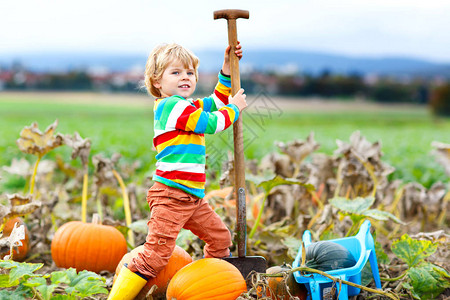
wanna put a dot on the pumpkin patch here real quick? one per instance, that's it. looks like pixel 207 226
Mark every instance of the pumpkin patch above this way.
pixel 350 187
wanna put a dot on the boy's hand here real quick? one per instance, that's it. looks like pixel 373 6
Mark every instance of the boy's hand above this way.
pixel 226 59
pixel 238 100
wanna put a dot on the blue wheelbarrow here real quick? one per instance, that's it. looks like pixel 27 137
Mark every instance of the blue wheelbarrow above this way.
pixel 361 246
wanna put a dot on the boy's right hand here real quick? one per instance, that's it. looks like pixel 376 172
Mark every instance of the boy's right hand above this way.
pixel 238 100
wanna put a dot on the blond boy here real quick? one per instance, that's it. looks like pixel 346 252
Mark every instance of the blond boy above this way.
pixel 176 199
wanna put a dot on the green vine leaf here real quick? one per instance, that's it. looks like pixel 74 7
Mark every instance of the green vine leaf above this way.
pixel 63 297
pixel 268 185
pixel 353 206
pixel 359 208
pixel 18 294
pixel 19 270
pixel 60 277
pixel 5 283
pixel 85 283
pixel 382 215
pixel 382 257
pixel 35 281
pixel 41 285
pixel 412 251
pixel 426 281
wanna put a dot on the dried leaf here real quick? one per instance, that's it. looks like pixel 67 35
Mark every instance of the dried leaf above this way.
pixel 436 236
pixel 359 146
pixel 16 236
pixel 20 206
pixel 33 141
pixel 104 169
pixel 19 167
pixel 80 147
pixel 227 176
pixel 442 153
pixel 23 168
pixel 16 199
pixel 416 196
pixel 298 150
pixel 277 164
pixel 24 209
pixel 4 211
pixel 360 169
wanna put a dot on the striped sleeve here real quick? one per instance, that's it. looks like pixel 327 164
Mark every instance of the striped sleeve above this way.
pixel 219 98
pixel 199 121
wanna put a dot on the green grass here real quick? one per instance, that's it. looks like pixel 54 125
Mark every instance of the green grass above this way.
pixel 406 136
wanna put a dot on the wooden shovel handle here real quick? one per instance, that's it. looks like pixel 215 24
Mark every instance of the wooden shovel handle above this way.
pixel 239 164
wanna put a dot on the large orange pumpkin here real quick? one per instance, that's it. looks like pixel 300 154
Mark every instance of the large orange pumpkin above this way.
pixel 19 252
pixel 278 286
pixel 88 246
pixel 207 278
pixel 178 260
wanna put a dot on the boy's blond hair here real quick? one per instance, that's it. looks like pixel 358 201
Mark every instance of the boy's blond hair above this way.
pixel 160 58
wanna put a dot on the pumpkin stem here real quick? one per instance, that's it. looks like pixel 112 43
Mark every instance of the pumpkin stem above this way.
pixel 126 205
pixel 36 293
pixel 445 200
pixel 99 206
pixel 338 179
pixel 96 219
pixel 84 197
pixel 33 177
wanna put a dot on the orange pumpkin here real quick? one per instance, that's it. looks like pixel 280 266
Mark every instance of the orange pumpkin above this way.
pixel 178 260
pixel 88 246
pixel 19 252
pixel 279 285
pixel 207 278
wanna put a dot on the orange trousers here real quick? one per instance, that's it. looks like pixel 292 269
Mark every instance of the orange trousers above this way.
pixel 171 210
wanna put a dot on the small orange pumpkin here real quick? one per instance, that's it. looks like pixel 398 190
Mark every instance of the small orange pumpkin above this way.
pixel 88 246
pixel 207 278
pixel 19 252
pixel 178 260
pixel 279 285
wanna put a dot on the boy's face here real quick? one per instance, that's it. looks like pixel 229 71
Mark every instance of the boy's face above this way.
pixel 177 80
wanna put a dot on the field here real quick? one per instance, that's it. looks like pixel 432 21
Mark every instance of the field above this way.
pixel 330 192
pixel 124 124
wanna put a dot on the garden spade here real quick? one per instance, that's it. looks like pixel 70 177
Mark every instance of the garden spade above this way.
pixel 244 263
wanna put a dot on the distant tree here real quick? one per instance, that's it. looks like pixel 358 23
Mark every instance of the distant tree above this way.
pixel 289 85
pixel 440 100
pixel 350 85
pixel 75 80
pixel 391 91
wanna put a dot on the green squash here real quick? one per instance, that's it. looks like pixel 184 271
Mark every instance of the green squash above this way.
pixel 326 256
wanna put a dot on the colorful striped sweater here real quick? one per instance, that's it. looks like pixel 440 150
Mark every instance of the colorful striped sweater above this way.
pixel 180 125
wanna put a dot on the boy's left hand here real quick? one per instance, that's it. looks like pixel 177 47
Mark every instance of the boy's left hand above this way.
pixel 226 59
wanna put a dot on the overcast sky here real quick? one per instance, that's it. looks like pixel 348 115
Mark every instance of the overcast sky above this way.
pixel 412 28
